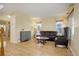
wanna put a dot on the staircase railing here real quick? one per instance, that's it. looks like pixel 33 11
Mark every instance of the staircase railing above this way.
pixel 2 41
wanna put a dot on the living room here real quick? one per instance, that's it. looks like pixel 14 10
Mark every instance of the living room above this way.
pixel 33 18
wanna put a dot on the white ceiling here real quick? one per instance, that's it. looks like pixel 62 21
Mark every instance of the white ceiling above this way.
pixel 36 9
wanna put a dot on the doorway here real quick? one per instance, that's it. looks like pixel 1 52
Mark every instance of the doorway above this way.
pixel 36 26
pixel 6 26
pixel 4 35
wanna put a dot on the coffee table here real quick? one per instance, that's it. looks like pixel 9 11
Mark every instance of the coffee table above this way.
pixel 42 39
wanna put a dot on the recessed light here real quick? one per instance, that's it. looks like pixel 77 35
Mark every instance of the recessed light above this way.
pixel 1 7
pixel 8 16
pixel 35 18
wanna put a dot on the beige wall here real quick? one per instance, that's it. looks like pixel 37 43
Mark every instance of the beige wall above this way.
pixel 25 22
pixel 49 24
pixel 22 22
pixel 75 38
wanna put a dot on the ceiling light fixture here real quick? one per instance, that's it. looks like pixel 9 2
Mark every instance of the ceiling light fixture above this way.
pixel 1 7
pixel 8 16
pixel 35 18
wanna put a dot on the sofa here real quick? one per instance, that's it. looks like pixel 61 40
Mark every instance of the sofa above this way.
pixel 50 34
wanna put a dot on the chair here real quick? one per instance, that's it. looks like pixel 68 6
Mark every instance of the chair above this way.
pixel 61 40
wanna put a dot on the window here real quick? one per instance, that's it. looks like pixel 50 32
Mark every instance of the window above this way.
pixel 60 27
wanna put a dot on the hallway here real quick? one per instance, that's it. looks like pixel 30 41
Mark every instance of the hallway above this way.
pixel 31 48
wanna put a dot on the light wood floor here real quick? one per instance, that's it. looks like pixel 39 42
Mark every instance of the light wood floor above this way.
pixel 0 51
pixel 31 48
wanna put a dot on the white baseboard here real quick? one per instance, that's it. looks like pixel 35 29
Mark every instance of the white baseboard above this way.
pixel 72 51
pixel 16 41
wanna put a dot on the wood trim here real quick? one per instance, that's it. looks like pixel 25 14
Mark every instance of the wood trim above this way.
pixel 2 41
pixel 68 12
pixel 7 23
